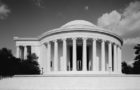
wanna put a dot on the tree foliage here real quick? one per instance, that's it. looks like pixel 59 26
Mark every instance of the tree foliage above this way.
pixel 126 68
pixel 136 65
pixel 10 65
pixel 137 52
pixel 30 66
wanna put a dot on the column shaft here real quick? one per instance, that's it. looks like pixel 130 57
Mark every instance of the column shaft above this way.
pixel 110 56
pixel 115 59
pixel 49 57
pixel 103 55
pixel 25 52
pixel 119 61
pixel 74 54
pixel 94 66
pixel 65 54
pixel 55 55
pixel 84 54
pixel 17 52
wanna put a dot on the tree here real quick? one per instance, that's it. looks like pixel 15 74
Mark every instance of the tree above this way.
pixel 136 64
pixel 30 66
pixel 137 52
pixel 10 65
pixel 126 68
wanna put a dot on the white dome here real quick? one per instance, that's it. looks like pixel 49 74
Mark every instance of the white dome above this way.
pixel 78 23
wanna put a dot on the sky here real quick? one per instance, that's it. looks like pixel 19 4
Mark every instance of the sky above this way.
pixel 31 18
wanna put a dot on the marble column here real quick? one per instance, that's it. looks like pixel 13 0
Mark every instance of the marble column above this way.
pixel 49 57
pixel 103 55
pixel 119 59
pixel 25 52
pixel 17 52
pixel 74 54
pixel 84 54
pixel 115 58
pixel 94 66
pixel 65 54
pixel 110 55
pixel 55 55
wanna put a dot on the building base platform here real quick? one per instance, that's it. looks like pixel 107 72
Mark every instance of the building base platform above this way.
pixel 71 82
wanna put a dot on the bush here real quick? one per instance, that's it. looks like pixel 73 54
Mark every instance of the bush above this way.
pixel 29 66
pixel 10 65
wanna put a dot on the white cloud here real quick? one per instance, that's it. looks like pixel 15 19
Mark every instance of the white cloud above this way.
pixel 4 11
pixel 109 18
pixel 124 23
pixel 132 41
pixel 133 7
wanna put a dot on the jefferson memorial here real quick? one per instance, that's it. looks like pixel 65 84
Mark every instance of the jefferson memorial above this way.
pixel 77 47
pixel 76 56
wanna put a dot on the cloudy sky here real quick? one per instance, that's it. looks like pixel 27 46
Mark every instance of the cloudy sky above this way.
pixel 30 18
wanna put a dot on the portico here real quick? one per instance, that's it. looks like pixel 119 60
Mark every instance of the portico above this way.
pixel 87 61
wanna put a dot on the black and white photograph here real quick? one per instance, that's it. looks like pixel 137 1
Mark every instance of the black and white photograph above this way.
pixel 69 45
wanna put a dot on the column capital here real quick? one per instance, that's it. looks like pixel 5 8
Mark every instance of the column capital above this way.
pixel 48 42
pixel 84 38
pixel 74 38
pixel 102 40
pixel 54 40
pixel 24 45
pixel 64 39
pixel 109 42
pixel 94 39
pixel 98 39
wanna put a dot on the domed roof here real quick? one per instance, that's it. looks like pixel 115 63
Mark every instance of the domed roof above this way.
pixel 79 25
pixel 76 23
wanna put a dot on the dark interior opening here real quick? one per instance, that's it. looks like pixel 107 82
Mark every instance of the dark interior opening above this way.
pixel 79 58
